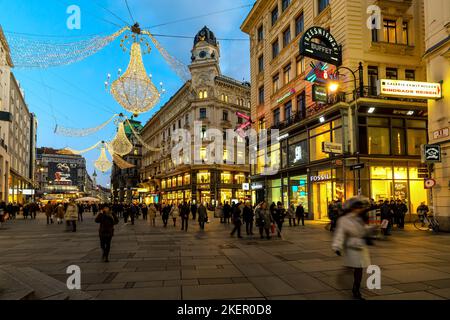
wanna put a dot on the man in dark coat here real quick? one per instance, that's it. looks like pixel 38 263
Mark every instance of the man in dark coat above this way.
pixel 402 209
pixel 278 216
pixel 300 214
pixel 185 216
pixel 236 215
pixel 194 211
pixel 226 212
pixel 202 216
pixel 107 220
pixel 248 216
pixel 387 214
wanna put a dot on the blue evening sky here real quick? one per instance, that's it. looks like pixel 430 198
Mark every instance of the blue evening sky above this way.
pixel 75 95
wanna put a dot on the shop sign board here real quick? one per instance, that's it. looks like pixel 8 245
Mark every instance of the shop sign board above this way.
pixel 441 133
pixel 358 166
pixel 320 94
pixel 431 153
pixel 401 190
pixel 287 95
pixel 331 147
pixel 257 186
pixel 319 44
pixel 246 186
pixel 320 178
pixel 409 89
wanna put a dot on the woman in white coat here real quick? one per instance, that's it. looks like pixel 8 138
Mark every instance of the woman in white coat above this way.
pixel 350 239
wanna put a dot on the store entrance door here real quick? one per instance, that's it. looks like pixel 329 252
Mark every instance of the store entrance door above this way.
pixel 322 196
pixel 205 197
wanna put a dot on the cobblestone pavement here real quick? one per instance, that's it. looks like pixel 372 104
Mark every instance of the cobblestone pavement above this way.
pixel 157 263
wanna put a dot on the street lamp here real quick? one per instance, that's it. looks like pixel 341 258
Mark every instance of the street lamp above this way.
pixel 333 87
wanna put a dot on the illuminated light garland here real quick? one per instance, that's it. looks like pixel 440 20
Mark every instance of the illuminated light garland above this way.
pixel 32 53
pixel 138 137
pixel 102 163
pixel 180 68
pixel 73 132
pixel 121 163
pixel 134 90
pixel 79 152
pixel 121 145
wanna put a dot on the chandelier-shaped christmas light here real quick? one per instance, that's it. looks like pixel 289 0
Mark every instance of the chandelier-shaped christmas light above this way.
pixel 121 145
pixel 134 90
pixel 103 164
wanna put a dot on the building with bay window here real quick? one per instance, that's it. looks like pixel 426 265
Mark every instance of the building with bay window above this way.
pixel 214 100
pixel 380 134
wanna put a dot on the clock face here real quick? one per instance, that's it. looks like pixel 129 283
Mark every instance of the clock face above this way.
pixel 202 54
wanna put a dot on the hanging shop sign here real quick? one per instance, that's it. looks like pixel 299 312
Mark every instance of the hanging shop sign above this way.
pixel 357 167
pixel 246 186
pixel 334 148
pixel 441 133
pixel 431 153
pixel 287 95
pixel 409 89
pixel 320 94
pixel 430 183
pixel 319 44
pixel 257 186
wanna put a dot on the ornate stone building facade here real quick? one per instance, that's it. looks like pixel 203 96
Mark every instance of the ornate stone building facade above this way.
pixel 213 100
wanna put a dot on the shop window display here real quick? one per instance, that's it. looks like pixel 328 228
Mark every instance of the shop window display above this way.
pixel 203 178
pixel 299 191
pixel 225 178
pixel 379 142
pixel 416 138
pixel 275 191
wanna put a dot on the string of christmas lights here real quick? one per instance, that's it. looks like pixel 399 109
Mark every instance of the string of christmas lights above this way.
pixel 74 132
pixel 180 68
pixel 79 152
pixel 143 143
pixel 27 52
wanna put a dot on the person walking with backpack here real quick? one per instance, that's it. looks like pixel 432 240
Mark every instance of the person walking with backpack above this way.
pixel 107 220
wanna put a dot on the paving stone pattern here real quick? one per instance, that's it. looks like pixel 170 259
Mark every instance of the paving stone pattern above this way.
pixel 151 263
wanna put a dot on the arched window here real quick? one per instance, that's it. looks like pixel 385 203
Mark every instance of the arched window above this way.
pixel 205 94
pixel 200 95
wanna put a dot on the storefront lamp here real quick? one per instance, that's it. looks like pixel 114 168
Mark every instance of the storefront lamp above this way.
pixel 333 87
pixel 322 119
pixel 371 110
pixel 410 113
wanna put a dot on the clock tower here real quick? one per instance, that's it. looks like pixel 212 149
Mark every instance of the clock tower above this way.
pixel 205 59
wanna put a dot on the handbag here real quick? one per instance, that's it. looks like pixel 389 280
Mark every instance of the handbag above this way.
pixel 384 224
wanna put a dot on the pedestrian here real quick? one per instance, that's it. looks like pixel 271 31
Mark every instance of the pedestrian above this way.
pixel 107 220
pixel 174 213
pixel 152 214
pixel 422 211
pixel 386 218
pixel 184 214
pixel 350 240
pixel 291 215
pixel 133 212
pixel 202 216
pixel 236 216
pixel 80 212
pixel 263 220
pixel 60 211
pixel 279 215
pixel 49 212
pixel 144 210
pixel 300 214
pixel 226 212
pixel 126 213
pixel 71 216
pixel 218 212
pixel 402 210
pixel 248 216
pixel 333 215
pixel 165 215
pixel 95 209
pixel 194 211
